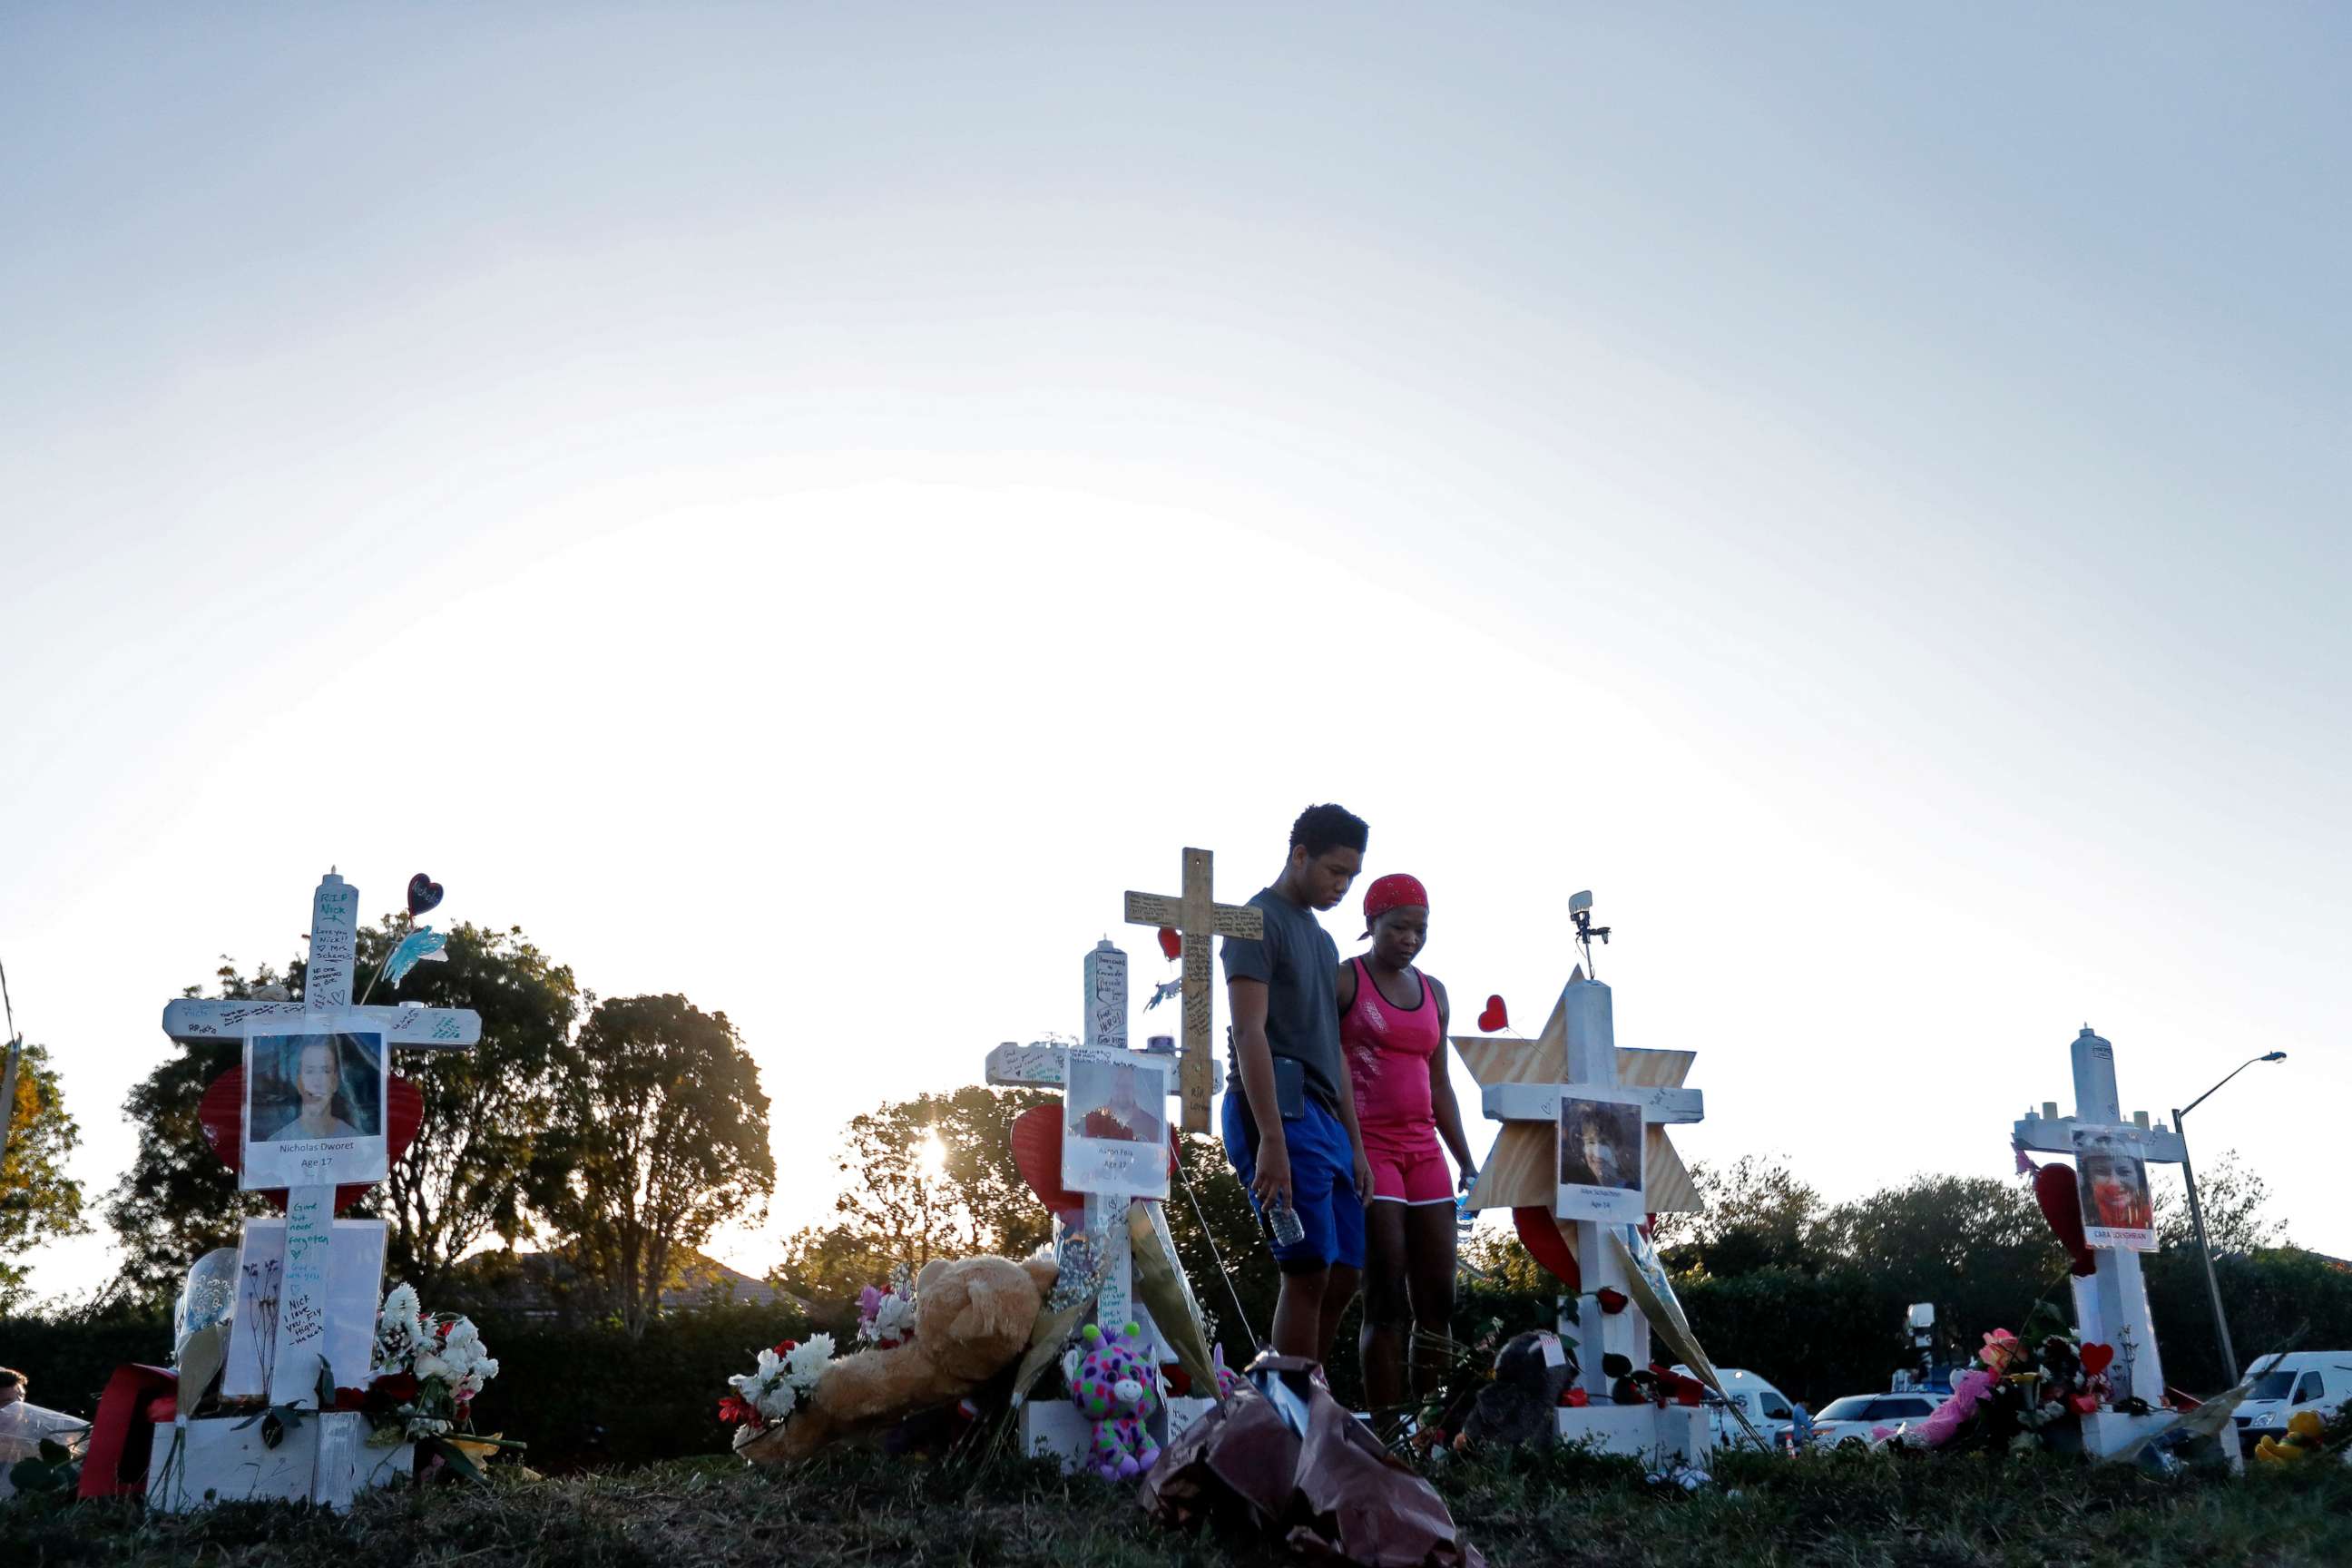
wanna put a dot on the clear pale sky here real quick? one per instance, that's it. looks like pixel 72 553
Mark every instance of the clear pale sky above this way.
pixel 803 505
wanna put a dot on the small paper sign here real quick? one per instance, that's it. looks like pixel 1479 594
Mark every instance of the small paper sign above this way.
pixel 2111 1180
pixel 1553 1355
pixel 1115 1124
pixel 1599 1156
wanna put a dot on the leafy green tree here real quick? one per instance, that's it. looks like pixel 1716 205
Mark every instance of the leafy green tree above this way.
pixel 464 1179
pixel 177 1201
pixel 2233 1200
pixel 1933 1233
pixel 38 1200
pixel 658 1136
pixel 928 1177
pixel 461 1181
pixel 1758 1214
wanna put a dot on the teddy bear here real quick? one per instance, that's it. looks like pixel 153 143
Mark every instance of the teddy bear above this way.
pixel 973 1317
pixel 1532 1371
pixel 1112 1384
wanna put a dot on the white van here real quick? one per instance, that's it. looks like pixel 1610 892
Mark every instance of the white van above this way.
pixel 2318 1381
pixel 1764 1405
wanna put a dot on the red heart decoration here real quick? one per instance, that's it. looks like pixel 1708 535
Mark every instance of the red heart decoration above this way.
pixel 1170 944
pixel 423 893
pixel 222 1115
pixel 1037 1151
pixel 1539 1233
pixel 1495 1017
pixel 2096 1358
pixel 2054 1190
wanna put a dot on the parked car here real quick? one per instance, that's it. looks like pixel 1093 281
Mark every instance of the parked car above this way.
pixel 1860 1414
pixel 1764 1405
pixel 2300 1379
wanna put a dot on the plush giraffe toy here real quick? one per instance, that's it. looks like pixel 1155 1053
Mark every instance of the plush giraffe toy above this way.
pixel 1113 1385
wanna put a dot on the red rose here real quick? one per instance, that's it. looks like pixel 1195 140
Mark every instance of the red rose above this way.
pixel 786 1347
pixel 397 1389
pixel 1612 1301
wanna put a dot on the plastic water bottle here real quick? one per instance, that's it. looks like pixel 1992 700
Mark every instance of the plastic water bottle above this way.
pixel 1465 1220
pixel 1284 1222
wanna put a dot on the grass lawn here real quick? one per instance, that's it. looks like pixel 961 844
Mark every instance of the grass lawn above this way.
pixel 1551 1508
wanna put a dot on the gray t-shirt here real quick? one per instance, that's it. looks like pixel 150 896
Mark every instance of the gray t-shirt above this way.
pixel 1299 964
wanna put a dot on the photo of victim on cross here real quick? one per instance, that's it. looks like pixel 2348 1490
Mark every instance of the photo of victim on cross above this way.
pixel 1115 1124
pixel 1600 1159
pixel 314 1104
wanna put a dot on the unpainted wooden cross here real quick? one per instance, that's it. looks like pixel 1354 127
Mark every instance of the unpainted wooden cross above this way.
pixel 1197 917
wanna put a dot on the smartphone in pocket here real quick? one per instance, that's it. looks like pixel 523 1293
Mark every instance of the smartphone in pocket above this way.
pixel 1290 1088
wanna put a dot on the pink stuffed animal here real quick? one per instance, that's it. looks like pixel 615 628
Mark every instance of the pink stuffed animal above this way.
pixel 1113 1385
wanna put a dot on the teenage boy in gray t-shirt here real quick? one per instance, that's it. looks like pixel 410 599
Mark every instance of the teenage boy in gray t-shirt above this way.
pixel 1308 1155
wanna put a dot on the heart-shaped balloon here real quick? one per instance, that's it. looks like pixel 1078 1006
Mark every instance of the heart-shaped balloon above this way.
pixel 423 893
pixel 1495 1017
pixel 221 1113
pixel 1539 1233
pixel 2096 1358
pixel 1170 944
pixel 1037 1153
pixel 2061 1201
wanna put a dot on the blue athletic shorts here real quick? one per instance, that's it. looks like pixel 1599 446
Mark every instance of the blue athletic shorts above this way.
pixel 1322 1185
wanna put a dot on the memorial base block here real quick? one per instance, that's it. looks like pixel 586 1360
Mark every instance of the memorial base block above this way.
pixel 1658 1437
pixel 1055 1428
pixel 324 1459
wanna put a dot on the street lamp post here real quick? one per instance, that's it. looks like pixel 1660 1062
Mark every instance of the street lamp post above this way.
pixel 2197 1215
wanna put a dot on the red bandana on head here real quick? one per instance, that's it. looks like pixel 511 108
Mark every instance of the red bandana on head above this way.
pixel 1393 891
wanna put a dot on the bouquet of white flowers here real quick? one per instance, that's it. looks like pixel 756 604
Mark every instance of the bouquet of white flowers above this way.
pixel 427 1371
pixel 778 1386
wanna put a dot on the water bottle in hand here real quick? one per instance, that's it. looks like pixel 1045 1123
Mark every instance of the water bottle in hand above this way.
pixel 1283 1220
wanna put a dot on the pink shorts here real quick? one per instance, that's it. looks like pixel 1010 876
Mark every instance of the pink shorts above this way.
pixel 1408 1169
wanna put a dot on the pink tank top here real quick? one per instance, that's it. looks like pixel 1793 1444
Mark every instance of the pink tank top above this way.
pixel 1388 1049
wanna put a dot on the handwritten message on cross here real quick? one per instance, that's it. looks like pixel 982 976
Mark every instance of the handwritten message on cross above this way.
pixel 1197 917
pixel 302 1322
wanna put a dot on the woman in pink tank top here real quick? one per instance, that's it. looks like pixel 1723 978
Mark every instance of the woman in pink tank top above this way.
pixel 1392 1021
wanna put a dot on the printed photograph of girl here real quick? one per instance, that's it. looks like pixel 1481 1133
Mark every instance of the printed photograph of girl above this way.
pixel 314 1106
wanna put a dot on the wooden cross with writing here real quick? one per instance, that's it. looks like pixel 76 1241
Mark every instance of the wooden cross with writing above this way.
pixel 1197 917
pixel 309 1210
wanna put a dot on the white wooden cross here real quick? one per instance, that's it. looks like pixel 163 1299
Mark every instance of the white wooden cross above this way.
pixel 2113 1302
pixel 310 1210
pixel 1522 1085
pixel 1043 1065
pixel 1197 917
